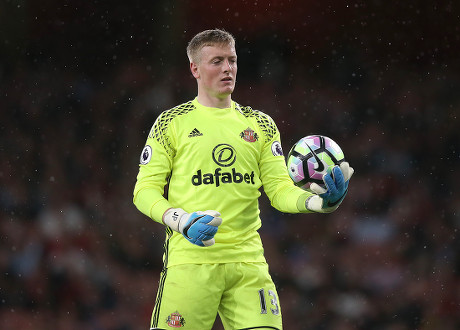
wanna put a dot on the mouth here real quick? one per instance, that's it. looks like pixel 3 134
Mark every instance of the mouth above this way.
pixel 227 79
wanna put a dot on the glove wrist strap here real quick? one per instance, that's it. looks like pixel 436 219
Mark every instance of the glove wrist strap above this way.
pixel 314 203
pixel 172 218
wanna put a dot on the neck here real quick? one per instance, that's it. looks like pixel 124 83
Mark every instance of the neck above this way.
pixel 215 102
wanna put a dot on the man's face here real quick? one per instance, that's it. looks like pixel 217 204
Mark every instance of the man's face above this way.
pixel 216 70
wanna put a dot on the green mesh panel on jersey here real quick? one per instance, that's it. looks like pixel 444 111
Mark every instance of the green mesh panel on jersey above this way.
pixel 160 126
pixel 266 123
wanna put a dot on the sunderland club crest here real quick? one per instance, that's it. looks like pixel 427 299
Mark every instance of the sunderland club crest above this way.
pixel 175 320
pixel 249 135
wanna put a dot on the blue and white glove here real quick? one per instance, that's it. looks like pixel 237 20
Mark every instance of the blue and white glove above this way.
pixel 328 199
pixel 198 227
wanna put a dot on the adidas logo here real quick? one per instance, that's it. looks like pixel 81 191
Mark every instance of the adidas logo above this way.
pixel 195 132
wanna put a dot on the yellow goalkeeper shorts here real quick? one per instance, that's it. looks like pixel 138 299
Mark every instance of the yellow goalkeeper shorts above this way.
pixel 190 296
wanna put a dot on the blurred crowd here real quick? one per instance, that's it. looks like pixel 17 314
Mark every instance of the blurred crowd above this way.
pixel 76 254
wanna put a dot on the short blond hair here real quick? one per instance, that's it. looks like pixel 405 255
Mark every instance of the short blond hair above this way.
pixel 207 38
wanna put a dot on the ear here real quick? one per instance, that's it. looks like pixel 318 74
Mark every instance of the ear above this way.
pixel 194 70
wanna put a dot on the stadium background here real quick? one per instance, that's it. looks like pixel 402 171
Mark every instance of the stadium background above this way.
pixel 81 83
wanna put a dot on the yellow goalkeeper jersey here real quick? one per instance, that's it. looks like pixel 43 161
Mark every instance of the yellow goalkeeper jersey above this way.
pixel 215 159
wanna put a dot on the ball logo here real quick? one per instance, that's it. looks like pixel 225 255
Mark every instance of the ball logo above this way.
pixel 319 166
pixel 224 155
pixel 146 155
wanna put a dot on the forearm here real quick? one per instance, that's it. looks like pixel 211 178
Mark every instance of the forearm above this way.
pixel 151 203
pixel 290 199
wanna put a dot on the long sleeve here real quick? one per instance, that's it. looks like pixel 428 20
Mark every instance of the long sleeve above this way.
pixel 154 171
pixel 278 186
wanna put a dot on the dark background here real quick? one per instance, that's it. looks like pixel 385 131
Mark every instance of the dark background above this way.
pixel 81 83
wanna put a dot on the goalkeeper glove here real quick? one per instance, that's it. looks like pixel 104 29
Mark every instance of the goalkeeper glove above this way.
pixel 198 227
pixel 328 199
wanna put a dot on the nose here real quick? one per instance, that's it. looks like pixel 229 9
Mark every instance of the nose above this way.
pixel 228 66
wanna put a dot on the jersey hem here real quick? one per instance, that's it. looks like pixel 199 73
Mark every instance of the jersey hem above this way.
pixel 189 262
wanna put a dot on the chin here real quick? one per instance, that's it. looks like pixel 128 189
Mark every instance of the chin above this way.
pixel 227 90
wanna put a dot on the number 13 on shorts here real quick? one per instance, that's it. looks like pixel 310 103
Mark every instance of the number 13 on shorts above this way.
pixel 273 302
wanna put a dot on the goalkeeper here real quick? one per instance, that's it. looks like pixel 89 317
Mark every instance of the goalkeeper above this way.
pixel 213 155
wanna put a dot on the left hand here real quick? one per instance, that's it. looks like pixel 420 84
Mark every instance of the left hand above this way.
pixel 198 227
pixel 328 199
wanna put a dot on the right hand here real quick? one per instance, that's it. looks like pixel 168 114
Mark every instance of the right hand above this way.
pixel 328 199
pixel 198 227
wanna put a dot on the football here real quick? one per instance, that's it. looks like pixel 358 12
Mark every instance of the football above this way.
pixel 311 157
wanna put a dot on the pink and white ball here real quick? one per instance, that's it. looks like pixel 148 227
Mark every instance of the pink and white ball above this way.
pixel 311 157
